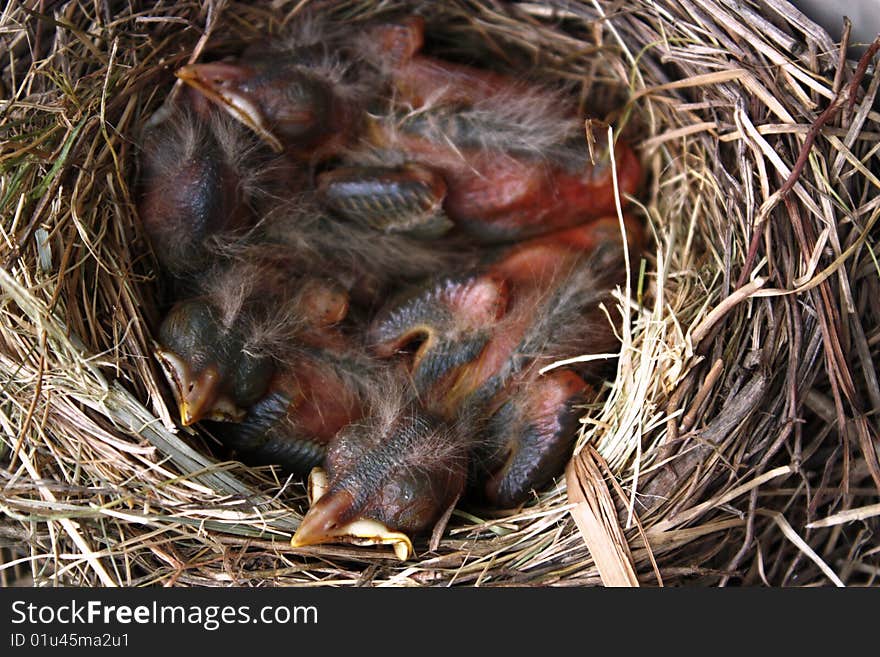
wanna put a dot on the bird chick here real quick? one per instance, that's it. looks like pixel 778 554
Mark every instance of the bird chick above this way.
pixel 312 396
pixel 262 351
pixel 511 167
pixel 221 349
pixel 505 159
pixel 476 330
pixel 511 152
pixel 202 175
pixel 539 302
pixel 386 477
pixel 299 93
pixel 211 373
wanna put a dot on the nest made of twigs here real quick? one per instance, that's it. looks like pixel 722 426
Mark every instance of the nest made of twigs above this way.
pixel 736 442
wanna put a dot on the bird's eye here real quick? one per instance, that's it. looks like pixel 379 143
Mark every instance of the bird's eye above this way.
pixel 407 494
pixel 409 507
pixel 251 377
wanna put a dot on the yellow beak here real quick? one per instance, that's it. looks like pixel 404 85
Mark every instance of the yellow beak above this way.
pixel 321 523
pixel 200 76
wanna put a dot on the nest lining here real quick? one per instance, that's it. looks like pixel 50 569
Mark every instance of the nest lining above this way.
pixel 735 444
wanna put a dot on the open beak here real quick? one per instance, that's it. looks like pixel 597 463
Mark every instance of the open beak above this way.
pixel 197 396
pixel 324 522
pixel 210 80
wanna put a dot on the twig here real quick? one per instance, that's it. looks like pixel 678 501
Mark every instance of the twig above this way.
pixel 702 393
pixel 846 95
pixel 719 311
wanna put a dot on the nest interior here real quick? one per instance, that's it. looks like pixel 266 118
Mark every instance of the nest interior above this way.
pixel 736 443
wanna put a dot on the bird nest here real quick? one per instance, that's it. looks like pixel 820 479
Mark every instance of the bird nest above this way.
pixel 735 443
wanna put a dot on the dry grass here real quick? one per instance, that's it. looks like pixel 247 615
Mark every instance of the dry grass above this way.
pixel 737 443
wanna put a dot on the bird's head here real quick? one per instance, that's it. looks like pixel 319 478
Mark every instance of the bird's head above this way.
pixel 212 374
pixel 387 479
pixel 282 104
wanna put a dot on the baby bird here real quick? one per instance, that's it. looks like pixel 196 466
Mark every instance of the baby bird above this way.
pixel 301 94
pixel 480 416
pixel 483 345
pixel 512 154
pixel 221 349
pixel 388 476
pixel 424 144
pixel 261 352
pixel 311 397
pixel 503 170
pixel 202 175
